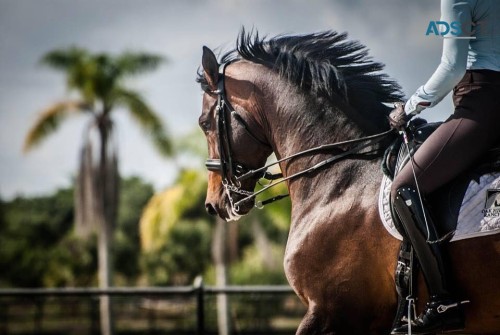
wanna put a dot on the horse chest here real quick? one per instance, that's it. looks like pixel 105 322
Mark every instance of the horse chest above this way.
pixel 321 249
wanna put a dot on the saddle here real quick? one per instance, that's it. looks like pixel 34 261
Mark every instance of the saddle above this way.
pixel 446 202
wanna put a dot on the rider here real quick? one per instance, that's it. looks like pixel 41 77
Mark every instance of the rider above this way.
pixel 470 65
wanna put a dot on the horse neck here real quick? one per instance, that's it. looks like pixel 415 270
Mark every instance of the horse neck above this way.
pixel 297 123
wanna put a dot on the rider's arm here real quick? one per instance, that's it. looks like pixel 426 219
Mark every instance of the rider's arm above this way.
pixel 453 59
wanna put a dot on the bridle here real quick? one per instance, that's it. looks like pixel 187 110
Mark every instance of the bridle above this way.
pixel 233 173
pixel 230 170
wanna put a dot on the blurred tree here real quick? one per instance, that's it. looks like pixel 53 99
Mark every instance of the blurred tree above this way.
pixel 175 235
pixel 38 246
pixel 229 243
pixel 134 194
pixel 98 81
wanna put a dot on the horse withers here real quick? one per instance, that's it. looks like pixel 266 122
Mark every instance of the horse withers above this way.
pixel 292 93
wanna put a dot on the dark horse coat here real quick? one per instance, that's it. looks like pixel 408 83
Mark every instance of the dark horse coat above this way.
pixel 297 92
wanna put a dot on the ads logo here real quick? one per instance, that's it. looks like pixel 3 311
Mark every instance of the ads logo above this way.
pixel 492 205
pixel 453 29
pixel 443 28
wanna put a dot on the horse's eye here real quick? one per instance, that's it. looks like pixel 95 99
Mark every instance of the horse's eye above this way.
pixel 205 126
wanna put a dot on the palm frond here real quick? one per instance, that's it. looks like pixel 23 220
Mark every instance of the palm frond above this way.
pixel 49 121
pixel 168 208
pixel 131 63
pixel 146 117
pixel 64 59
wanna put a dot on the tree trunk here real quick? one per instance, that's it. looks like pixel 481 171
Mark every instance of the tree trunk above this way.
pixel 96 203
pixel 105 277
pixel 220 257
pixel 107 193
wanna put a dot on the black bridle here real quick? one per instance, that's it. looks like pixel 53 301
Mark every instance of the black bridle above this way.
pixel 230 170
pixel 233 173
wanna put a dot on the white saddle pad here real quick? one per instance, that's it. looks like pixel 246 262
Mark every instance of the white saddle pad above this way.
pixel 479 214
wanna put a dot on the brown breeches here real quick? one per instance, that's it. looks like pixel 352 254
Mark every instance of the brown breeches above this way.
pixel 468 133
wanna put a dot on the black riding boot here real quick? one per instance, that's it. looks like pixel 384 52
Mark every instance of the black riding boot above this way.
pixel 442 312
pixel 405 274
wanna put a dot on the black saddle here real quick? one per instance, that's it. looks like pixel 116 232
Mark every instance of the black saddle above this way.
pixel 445 202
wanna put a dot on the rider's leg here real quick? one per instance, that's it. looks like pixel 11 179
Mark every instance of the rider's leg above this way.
pixel 443 311
pixel 449 151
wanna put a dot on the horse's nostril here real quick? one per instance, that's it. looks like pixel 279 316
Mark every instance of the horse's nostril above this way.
pixel 210 209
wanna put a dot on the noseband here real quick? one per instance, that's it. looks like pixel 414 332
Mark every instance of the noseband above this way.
pixel 233 172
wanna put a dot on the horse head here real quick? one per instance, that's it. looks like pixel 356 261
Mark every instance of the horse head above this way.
pixel 236 141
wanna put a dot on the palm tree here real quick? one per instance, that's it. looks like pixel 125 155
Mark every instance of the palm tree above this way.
pixel 97 80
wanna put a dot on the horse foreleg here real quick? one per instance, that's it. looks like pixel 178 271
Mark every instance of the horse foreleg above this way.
pixel 316 322
pixel 312 324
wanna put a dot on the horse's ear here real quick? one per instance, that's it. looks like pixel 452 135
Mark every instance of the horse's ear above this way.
pixel 210 68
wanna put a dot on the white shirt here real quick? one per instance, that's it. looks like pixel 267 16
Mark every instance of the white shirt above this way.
pixel 479 19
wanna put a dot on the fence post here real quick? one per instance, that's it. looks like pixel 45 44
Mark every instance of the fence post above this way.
pixel 94 315
pixel 4 317
pixel 200 305
pixel 38 319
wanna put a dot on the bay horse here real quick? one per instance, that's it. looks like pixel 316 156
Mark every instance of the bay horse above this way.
pixel 290 93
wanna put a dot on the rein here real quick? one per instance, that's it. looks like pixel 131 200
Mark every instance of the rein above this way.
pixel 233 172
pixel 373 140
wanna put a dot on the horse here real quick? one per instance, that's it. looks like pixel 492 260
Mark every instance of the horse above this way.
pixel 286 95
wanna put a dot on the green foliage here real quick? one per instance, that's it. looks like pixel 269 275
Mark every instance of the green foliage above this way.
pixel 256 268
pixel 50 120
pixel 164 210
pixel 126 248
pixel 175 233
pixel 95 76
pixel 72 262
pixel 172 216
pixel 183 257
pixel 38 247
pixel 251 268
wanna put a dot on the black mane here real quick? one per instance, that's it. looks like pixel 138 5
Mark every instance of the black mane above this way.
pixel 324 64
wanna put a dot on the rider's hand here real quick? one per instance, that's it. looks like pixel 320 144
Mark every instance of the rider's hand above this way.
pixel 398 117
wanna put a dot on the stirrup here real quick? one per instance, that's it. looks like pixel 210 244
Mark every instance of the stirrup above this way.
pixel 443 308
pixel 435 318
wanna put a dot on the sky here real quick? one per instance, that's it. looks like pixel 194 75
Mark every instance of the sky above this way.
pixel 393 30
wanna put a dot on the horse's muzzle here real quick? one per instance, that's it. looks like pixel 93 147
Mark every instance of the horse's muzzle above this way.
pixel 210 209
